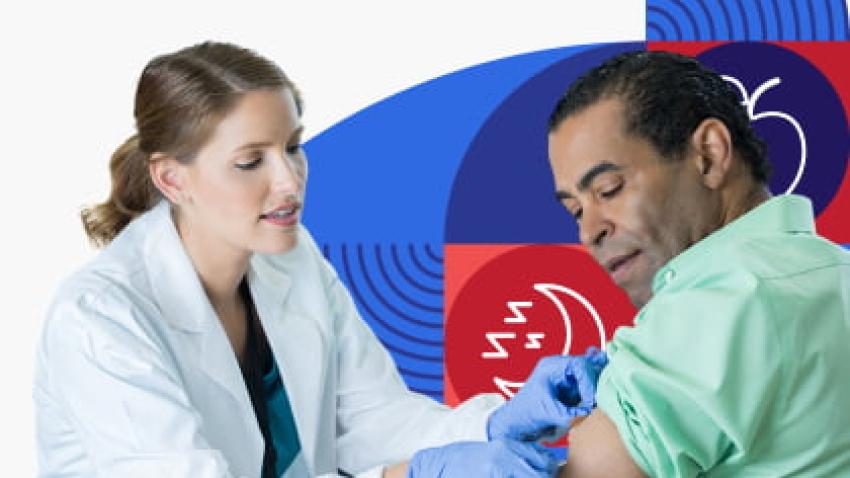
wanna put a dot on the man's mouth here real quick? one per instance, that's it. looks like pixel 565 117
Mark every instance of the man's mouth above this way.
pixel 617 266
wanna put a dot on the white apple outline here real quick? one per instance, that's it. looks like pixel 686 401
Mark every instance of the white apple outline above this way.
pixel 750 104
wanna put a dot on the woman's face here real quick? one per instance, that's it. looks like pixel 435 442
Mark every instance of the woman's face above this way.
pixel 245 187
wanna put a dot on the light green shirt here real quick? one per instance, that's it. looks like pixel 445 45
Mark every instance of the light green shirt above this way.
pixel 740 363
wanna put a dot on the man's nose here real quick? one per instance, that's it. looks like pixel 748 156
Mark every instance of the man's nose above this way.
pixel 594 227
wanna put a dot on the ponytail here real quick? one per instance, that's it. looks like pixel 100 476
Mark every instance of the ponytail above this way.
pixel 133 193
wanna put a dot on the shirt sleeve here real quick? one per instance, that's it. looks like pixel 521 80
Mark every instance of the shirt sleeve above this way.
pixel 690 384
pixel 122 397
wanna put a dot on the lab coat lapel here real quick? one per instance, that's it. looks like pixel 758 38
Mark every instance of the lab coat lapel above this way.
pixel 184 304
pixel 296 340
pixel 297 343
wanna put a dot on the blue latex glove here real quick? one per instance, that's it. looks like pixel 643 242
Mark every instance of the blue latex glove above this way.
pixel 483 459
pixel 560 389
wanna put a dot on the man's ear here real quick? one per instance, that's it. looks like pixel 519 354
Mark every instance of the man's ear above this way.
pixel 169 176
pixel 712 143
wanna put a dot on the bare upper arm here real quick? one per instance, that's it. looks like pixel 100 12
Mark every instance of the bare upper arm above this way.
pixel 596 449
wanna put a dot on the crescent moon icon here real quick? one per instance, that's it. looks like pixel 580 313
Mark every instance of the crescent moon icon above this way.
pixel 547 290
pixel 509 388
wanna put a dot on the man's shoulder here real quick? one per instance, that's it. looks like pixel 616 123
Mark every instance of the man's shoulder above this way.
pixel 753 289
pixel 755 266
pixel 782 255
pixel 758 269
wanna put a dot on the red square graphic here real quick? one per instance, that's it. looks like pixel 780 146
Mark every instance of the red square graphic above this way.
pixel 509 305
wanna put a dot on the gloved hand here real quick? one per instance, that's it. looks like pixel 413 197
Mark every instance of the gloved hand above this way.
pixel 559 389
pixel 483 459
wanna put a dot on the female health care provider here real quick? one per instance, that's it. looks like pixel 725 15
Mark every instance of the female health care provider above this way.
pixel 210 338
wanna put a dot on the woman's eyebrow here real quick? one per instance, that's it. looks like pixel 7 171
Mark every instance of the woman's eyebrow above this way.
pixel 253 145
pixel 265 144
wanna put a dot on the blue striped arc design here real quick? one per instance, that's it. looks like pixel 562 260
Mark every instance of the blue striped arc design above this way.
pixel 398 289
pixel 748 20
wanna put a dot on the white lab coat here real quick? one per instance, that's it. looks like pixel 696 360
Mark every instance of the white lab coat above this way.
pixel 136 377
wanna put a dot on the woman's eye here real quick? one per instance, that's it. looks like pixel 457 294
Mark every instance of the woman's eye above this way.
pixel 293 149
pixel 610 192
pixel 255 160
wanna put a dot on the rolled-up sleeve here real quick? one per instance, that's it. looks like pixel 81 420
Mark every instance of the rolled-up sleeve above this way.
pixel 686 386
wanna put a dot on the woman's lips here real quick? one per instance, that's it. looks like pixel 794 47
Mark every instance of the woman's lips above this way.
pixel 286 221
pixel 287 216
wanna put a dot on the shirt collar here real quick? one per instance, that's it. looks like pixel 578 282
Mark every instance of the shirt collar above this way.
pixel 788 213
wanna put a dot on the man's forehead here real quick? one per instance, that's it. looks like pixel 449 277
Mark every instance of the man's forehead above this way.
pixel 589 138
pixel 590 129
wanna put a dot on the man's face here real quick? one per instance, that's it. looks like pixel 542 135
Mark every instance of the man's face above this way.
pixel 635 210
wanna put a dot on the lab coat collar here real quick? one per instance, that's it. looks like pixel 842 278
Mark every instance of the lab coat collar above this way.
pixel 269 285
pixel 183 304
pixel 176 286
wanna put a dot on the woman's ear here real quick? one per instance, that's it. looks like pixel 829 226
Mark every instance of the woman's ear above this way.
pixel 169 176
pixel 712 143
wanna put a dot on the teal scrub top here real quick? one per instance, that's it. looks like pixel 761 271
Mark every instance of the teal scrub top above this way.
pixel 268 396
pixel 281 423
pixel 738 365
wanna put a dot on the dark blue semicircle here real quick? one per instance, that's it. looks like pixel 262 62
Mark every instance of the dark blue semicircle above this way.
pixel 383 174
pixel 804 95
pixel 504 192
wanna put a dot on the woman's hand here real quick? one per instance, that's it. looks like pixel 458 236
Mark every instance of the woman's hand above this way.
pixel 483 459
pixel 560 390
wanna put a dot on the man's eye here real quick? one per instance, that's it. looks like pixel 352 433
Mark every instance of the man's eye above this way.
pixel 255 160
pixel 577 214
pixel 611 191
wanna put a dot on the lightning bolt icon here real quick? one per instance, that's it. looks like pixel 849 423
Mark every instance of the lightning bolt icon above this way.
pixel 518 317
pixel 495 338
pixel 498 351
pixel 534 339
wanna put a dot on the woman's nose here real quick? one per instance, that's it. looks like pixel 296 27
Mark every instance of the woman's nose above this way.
pixel 286 175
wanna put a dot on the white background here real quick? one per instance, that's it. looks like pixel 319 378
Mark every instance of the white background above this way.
pixel 67 77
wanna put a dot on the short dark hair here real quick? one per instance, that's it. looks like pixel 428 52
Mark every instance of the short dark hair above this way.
pixel 667 96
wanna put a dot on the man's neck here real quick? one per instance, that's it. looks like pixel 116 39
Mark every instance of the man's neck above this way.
pixel 744 201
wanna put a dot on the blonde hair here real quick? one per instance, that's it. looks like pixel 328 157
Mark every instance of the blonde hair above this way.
pixel 180 98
